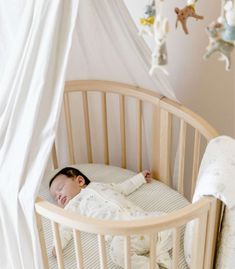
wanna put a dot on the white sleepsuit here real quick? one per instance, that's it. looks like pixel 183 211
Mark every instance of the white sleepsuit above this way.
pixel 108 201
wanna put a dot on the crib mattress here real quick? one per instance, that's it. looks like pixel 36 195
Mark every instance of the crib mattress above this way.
pixel 154 196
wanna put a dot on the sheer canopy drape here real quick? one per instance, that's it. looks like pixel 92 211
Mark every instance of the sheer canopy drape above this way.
pixel 36 37
pixel 34 49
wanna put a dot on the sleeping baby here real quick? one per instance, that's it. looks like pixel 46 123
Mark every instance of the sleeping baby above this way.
pixel 73 191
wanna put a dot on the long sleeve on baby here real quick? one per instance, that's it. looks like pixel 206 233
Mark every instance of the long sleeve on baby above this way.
pixel 130 185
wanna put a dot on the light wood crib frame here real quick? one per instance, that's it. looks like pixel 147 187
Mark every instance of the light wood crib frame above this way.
pixel 206 211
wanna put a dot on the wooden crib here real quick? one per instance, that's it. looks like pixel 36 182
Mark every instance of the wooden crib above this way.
pixel 172 125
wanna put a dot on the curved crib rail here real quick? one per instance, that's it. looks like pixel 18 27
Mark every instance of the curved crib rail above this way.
pixel 99 226
pixel 165 111
pixel 203 211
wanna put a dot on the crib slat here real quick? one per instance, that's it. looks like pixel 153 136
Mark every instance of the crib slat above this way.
pixel 127 252
pixel 139 136
pixel 102 250
pixel 54 157
pixel 42 242
pixel 196 156
pixel 176 247
pixel 182 142
pixel 155 155
pixel 153 251
pixel 199 242
pixel 69 128
pixel 105 128
pixel 59 254
pixel 165 146
pixel 123 129
pixel 78 248
pixel 213 225
pixel 87 126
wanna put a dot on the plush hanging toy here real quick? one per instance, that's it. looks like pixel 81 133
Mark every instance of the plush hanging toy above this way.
pixel 185 13
pixel 156 26
pixel 217 44
pixel 159 54
pixel 229 22
pixel 221 34
pixel 148 20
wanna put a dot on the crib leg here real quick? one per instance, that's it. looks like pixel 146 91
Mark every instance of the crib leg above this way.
pixel 212 233
pixel 42 242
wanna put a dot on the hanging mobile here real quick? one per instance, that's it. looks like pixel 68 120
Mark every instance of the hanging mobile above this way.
pixel 221 34
pixel 185 13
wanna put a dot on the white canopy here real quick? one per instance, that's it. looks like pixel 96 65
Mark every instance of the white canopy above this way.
pixel 106 45
pixel 36 37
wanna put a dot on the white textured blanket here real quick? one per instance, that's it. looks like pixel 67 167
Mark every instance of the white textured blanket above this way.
pixel 217 177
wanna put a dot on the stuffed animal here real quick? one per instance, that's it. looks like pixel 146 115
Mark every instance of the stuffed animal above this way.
pixel 159 55
pixel 159 58
pixel 148 20
pixel 228 33
pixel 184 14
pixel 150 10
pixel 217 44
pixel 156 26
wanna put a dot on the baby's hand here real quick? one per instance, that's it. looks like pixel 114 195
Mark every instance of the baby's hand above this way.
pixel 147 176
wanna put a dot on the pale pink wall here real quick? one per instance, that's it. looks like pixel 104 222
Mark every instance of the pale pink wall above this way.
pixel 203 86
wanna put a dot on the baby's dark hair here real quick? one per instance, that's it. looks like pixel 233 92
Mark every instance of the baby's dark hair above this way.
pixel 70 172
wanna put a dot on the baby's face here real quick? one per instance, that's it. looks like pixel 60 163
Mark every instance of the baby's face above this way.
pixel 63 188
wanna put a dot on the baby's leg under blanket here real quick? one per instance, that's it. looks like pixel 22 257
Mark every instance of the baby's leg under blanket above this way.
pixel 140 246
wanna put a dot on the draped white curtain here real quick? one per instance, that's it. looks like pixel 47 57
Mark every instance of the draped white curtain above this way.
pixel 35 41
pixel 36 37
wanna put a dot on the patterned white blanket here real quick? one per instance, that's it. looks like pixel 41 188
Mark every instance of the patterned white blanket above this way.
pixel 217 177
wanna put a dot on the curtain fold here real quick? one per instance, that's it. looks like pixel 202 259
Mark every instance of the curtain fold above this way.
pixel 30 99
